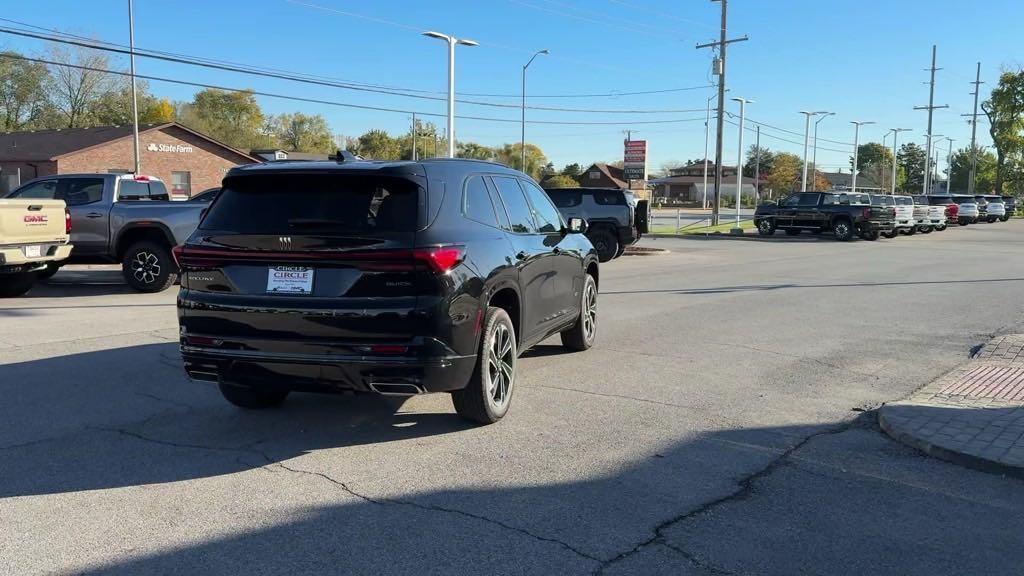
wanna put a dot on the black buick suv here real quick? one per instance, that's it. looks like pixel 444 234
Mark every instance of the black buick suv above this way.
pixel 396 278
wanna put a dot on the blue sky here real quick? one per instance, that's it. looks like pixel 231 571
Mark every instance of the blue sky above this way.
pixel 863 60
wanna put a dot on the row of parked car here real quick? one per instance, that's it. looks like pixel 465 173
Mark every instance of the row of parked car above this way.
pixel 869 216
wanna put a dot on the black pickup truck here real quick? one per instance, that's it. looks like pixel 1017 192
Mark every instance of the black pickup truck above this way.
pixel 845 215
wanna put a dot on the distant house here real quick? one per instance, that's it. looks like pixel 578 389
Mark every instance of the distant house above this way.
pixel 601 175
pixel 685 185
pixel 268 154
pixel 844 181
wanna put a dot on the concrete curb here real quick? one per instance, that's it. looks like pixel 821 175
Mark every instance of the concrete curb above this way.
pixel 949 455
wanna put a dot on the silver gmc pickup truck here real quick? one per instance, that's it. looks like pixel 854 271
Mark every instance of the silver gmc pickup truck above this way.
pixel 120 218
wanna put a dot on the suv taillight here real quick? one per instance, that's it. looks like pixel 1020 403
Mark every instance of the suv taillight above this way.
pixel 67 221
pixel 439 259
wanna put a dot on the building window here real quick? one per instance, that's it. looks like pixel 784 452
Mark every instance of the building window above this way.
pixel 181 183
pixel 595 175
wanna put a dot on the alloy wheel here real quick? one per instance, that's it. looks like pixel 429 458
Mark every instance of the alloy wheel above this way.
pixel 501 369
pixel 590 312
pixel 146 267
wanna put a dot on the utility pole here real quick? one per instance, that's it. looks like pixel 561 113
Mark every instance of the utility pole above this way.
pixel 949 167
pixel 757 167
pixel 135 99
pixel 415 158
pixel 707 137
pixel 931 107
pixel 971 182
pixel 739 166
pixel 895 166
pixel 814 178
pixel 856 152
pixel 721 47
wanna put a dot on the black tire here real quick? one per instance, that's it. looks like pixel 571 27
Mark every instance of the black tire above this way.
pixel 49 271
pixel 622 250
pixel 477 402
pixel 766 227
pixel 891 234
pixel 583 333
pixel 148 267
pixel 12 285
pixel 941 227
pixel 606 244
pixel 992 219
pixel 252 397
pixel 793 231
pixel 925 229
pixel 911 231
pixel 842 229
pixel 870 236
pixel 1004 218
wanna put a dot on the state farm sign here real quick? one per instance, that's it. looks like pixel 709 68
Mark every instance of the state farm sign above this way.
pixel 171 148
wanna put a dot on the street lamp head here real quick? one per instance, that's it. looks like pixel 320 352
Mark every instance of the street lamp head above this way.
pixel 742 100
pixel 438 35
pixel 544 51
pixel 465 42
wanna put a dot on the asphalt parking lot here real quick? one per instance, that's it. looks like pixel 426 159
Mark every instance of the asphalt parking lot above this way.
pixel 721 425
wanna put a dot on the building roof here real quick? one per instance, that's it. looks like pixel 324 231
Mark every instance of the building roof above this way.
pixel 614 174
pixel 44 145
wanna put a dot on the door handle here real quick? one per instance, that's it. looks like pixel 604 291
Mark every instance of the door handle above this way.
pixel 94 215
pixel 521 256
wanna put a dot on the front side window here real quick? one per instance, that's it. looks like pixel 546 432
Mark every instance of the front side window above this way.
pixel 808 200
pixel 45 190
pixel 519 213
pixel 548 220
pixel 476 202
pixel 791 201
pixel 609 198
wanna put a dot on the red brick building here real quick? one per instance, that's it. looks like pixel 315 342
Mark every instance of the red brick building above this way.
pixel 188 162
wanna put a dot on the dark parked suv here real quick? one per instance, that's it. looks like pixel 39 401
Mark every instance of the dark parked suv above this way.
pixel 398 278
pixel 615 218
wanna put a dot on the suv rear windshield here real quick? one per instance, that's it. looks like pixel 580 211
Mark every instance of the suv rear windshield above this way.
pixel 324 203
pixel 565 198
pixel 904 201
pixel 940 200
pixel 964 199
pixel 882 200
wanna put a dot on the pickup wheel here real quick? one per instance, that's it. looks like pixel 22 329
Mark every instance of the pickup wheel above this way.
pixel 890 234
pixel 766 227
pixel 148 267
pixel 925 229
pixel 842 229
pixel 252 397
pixel 606 244
pixel 910 231
pixel 940 227
pixel 12 285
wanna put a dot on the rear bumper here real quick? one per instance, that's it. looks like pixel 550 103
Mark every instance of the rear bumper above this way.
pixel 327 372
pixel 14 256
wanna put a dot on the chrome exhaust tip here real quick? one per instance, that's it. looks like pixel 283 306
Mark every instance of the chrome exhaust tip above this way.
pixel 396 389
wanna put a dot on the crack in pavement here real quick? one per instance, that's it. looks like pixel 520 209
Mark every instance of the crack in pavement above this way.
pixel 624 397
pixel 744 490
pixel 270 463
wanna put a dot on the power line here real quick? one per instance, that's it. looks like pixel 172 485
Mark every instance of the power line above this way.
pixel 306 80
pixel 343 104
pixel 618 24
pixel 748 129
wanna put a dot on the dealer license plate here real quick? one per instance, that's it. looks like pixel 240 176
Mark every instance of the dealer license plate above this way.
pixel 290 280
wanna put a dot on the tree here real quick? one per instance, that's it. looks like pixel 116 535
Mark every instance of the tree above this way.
pixel 985 179
pixel 157 112
pixel 233 117
pixel 474 151
pixel 511 155
pixel 872 153
pixel 572 170
pixel 75 91
pixel 22 91
pixel 910 159
pixel 299 132
pixel 561 181
pixel 1005 111
pixel 785 173
pixel 377 145
pixel 767 160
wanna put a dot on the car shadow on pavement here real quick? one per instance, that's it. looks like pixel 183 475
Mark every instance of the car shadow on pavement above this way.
pixel 129 417
pixel 825 499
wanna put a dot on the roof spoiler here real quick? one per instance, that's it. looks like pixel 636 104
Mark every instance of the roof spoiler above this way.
pixel 342 156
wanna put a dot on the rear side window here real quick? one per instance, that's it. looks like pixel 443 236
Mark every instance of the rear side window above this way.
pixel 133 190
pixel 565 198
pixel 519 214
pixel 315 203
pixel 476 202
pixel 832 199
pixel 808 200
pixel 544 212
pixel 609 198
pixel 45 190
pixel 963 199
pixel 79 191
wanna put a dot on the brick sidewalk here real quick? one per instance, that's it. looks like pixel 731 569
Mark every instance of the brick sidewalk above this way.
pixel 973 415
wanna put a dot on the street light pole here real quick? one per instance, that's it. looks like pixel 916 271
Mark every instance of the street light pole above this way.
pixel 739 164
pixel 856 152
pixel 814 162
pixel 895 135
pixel 452 42
pixel 522 141
pixel 707 138
pixel 807 137
pixel 135 99
pixel 949 167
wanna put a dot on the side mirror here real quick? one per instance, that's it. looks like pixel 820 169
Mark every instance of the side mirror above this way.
pixel 576 226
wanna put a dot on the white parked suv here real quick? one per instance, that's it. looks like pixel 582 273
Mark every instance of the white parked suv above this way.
pixel 968 213
pixel 929 217
pixel 906 222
